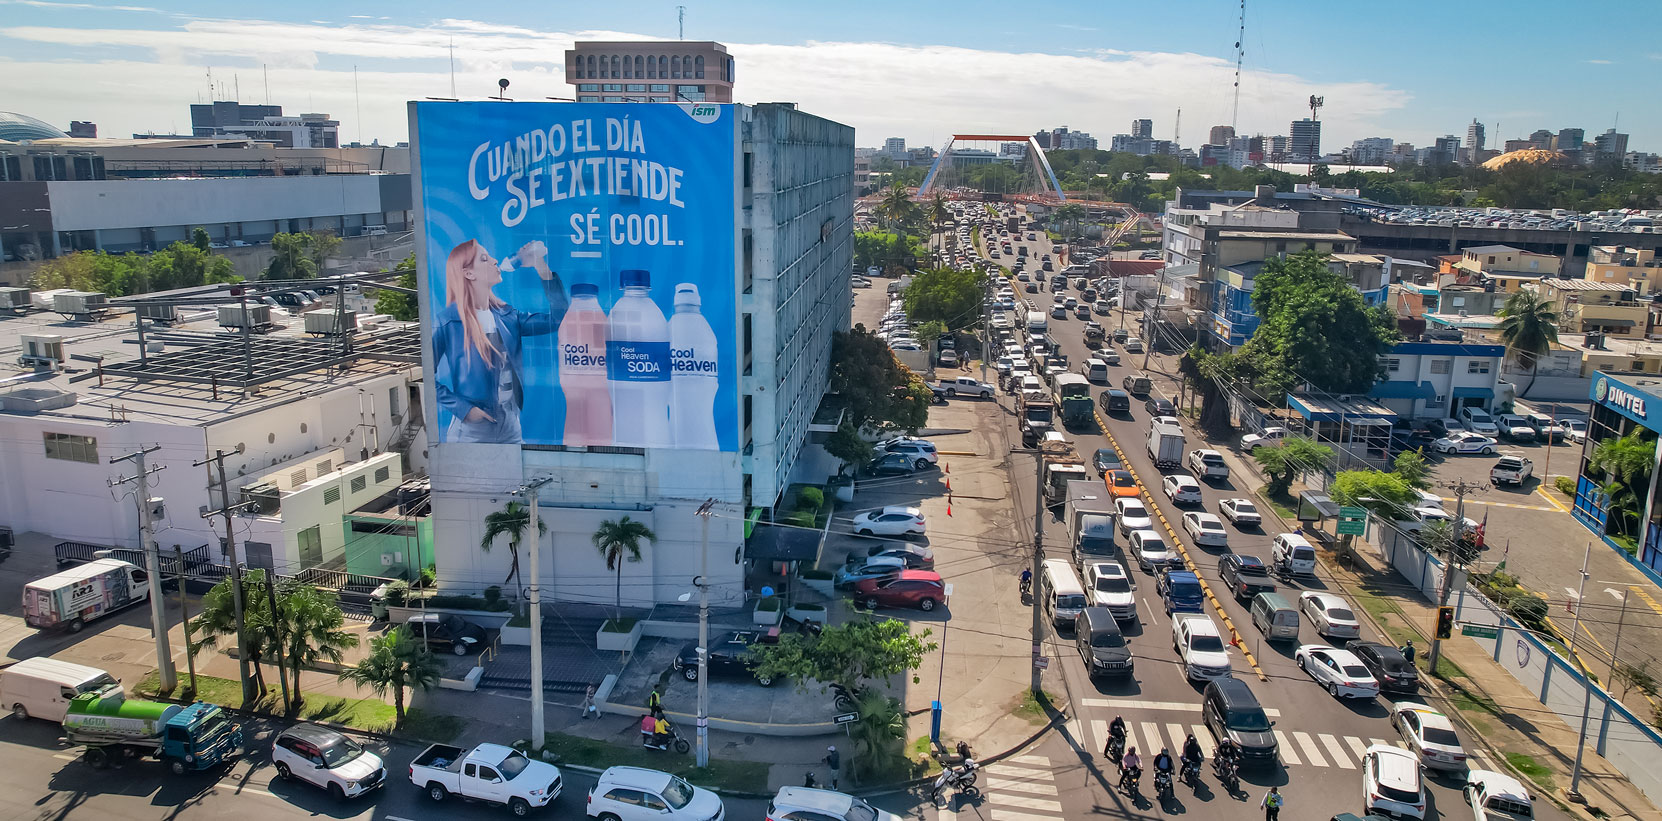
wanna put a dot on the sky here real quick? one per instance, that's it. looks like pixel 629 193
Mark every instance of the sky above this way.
pixel 1408 70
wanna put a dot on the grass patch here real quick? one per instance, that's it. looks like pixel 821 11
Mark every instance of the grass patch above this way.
pixel 1478 708
pixel 921 754
pixel 369 714
pixel 750 776
pixel 622 625
pixel 1036 709
pixel 1282 505
pixel 1531 770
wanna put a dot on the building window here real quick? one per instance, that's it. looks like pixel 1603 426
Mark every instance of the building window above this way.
pixel 1392 364
pixel 615 61
pixel 640 68
pixel 588 86
pixel 590 61
pixel 588 98
pixel 1435 401
pixel 72 448
pixel 692 93
pixel 663 67
pixel 611 87
pixel 675 67
pixel 699 66
pixel 635 87
pixel 611 99
pixel 359 483
pixel 1441 365
pixel 660 88
pixel 1477 366
pixel 331 495
pixel 381 474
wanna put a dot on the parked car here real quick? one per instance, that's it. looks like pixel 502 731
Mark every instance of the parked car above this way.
pixel 1330 615
pixel 1181 489
pixel 1272 435
pixel 967 386
pixel 1133 345
pixel 922 451
pixel 891 464
pixel 1150 551
pixel 1512 470
pixel 639 794
pixel 869 567
pixel 1464 442
pixel 327 759
pixel 1204 529
pixel 947 359
pixel 1242 512
pixel 1245 575
pixel 1342 674
pixel 894 520
pixel 917 557
pixel 729 656
pixel 1388 666
pixel 1429 735
pixel 922 589
pixel 447 631
pixel 1515 428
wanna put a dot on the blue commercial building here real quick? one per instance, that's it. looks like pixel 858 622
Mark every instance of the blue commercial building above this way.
pixel 1623 403
pixel 1234 319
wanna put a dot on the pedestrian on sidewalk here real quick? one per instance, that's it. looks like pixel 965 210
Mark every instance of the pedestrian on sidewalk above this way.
pixel 589 710
pixel 1271 804
pixel 655 702
pixel 834 760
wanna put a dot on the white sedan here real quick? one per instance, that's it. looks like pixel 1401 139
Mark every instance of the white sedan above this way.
pixel 1152 552
pixel 1340 671
pixel 1465 443
pixel 1205 529
pixel 1429 735
pixel 1133 515
pixel 894 520
pixel 1330 615
pixel 1182 490
pixel 1240 511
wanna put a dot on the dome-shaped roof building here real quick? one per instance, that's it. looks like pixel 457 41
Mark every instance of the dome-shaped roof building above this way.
pixel 1528 156
pixel 17 128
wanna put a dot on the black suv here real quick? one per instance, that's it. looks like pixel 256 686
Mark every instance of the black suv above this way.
pixel 729 656
pixel 1115 401
pixel 447 631
pixel 1160 407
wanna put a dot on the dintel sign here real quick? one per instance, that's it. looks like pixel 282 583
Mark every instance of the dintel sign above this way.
pixel 1631 402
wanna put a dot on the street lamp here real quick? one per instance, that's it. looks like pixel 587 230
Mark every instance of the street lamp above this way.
pixel 531 491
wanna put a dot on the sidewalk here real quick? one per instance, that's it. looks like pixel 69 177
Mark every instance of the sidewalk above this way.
pixel 1483 695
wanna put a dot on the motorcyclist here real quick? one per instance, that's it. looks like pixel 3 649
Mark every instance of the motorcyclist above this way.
pixel 1116 728
pixel 1192 752
pixel 1131 767
pixel 1226 752
pixel 1026 580
pixel 1162 762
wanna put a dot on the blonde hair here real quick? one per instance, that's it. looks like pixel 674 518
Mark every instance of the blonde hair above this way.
pixel 458 291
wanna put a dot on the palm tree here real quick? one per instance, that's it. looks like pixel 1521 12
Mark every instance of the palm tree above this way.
pixel 877 734
pixel 896 208
pixel 615 538
pixel 396 661
pixel 1529 327
pixel 939 214
pixel 1625 462
pixel 311 620
pixel 512 519
pixel 1070 215
pixel 217 623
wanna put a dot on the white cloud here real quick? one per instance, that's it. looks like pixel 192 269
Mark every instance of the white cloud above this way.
pixel 924 93
pixel 1599 62
pixel 49 4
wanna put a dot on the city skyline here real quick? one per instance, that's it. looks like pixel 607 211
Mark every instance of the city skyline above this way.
pixel 141 66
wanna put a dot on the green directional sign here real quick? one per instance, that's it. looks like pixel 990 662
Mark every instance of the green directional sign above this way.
pixel 1353 521
pixel 1478 631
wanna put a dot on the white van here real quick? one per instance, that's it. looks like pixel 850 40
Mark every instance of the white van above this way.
pixel 1063 595
pixel 1296 552
pixel 1096 370
pixel 42 687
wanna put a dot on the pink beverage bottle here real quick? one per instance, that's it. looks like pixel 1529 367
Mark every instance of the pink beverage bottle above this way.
pixel 583 369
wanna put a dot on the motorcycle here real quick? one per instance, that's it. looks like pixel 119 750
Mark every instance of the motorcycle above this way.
pixel 844 697
pixel 1162 783
pixel 960 778
pixel 1226 771
pixel 1129 779
pixel 1025 587
pixel 1191 772
pixel 1116 748
pixel 669 739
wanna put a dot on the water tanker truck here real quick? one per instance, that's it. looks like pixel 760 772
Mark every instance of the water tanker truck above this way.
pixel 185 737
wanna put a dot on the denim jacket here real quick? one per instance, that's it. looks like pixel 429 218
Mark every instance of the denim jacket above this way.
pixel 461 378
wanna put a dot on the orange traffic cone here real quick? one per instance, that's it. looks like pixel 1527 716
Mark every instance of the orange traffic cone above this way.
pixel 949 504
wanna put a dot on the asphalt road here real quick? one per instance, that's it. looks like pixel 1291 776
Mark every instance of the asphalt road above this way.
pixel 1321 738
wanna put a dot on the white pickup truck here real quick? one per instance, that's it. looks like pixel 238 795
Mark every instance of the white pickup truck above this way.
pixel 489 773
pixel 1511 470
pixel 1208 464
pixel 1200 646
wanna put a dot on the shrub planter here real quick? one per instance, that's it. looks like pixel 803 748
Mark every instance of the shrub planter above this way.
pixel 808 612
pixel 609 638
pixel 516 636
pixel 768 612
pixel 819 581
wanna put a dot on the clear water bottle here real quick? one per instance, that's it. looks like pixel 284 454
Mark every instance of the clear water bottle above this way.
pixel 637 365
pixel 582 364
pixel 693 373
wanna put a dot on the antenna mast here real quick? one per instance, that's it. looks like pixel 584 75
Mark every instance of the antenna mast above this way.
pixel 1315 106
pixel 681 22
pixel 1240 55
pixel 453 68
pixel 1177 129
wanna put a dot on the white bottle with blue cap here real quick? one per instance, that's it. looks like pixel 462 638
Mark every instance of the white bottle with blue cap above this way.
pixel 638 365
pixel 694 372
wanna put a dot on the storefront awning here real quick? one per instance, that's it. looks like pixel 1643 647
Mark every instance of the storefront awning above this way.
pixel 1485 393
pixel 1403 390
pixel 1610 323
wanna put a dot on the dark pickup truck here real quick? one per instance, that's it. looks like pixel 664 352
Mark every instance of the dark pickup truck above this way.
pixel 1246 575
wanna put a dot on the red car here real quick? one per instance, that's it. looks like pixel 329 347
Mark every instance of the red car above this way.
pixel 922 589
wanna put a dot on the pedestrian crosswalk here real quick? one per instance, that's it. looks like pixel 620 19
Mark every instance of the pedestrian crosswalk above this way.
pixel 1019 788
pixel 1297 748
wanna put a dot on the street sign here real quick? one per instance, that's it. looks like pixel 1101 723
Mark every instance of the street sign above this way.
pixel 1478 631
pixel 846 718
pixel 1042 662
pixel 1353 521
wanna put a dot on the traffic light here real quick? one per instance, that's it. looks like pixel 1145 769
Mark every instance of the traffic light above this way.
pixel 1445 622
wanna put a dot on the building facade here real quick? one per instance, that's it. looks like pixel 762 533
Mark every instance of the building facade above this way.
pixel 1433 380
pixel 1623 403
pixel 653 71
pixel 1142 128
pixel 1305 140
pixel 1635 268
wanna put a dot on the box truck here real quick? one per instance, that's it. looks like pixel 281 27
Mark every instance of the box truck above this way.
pixel 73 597
pixel 1165 445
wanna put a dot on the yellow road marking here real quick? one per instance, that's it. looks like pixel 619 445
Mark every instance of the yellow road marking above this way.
pixel 1647 599
pixel 1542 490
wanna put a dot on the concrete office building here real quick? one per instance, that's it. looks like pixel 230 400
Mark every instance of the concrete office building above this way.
pixel 1305 143
pixel 895 148
pixel 265 123
pixel 1570 141
pixel 1220 135
pixel 652 71
pixel 1370 151
pixel 1142 128
pixel 1474 142
pixel 794 209
pixel 1610 145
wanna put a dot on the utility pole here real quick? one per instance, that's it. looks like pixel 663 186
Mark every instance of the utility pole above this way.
pixel 1038 559
pixel 1451 559
pixel 702 757
pixel 277 642
pixel 986 324
pixel 531 491
pixel 1153 318
pixel 1574 792
pixel 229 551
pixel 1617 646
pixel 184 617
pixel 153 563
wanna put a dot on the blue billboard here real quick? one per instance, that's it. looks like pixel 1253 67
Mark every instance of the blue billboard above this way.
pixel 579 272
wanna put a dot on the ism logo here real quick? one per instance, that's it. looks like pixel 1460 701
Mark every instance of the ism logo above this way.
pixel 701 112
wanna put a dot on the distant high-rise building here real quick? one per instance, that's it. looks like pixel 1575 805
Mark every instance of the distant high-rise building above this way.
pixel 84 130
pixel 1017 150
pixel 1142 128
pixel 1278 148
pixel 1061 139
pixel 1445 150
pixel 265 123
pixel 895 148
pixel 1043 139
pixel 1370 151
pixel 1474 142
pixel 1541 137
pixel 1610 145
pixel 1570 141
pixel 1520 145
pixel 650 71
pixel 1221 135
pixel 1306 145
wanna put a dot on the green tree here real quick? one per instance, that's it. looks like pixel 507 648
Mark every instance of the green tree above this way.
pixel 1070 215
pixel 1383 493
pixel 1410 466
pixel 949 295
pixel 200 239
pixel 322 245
pixel 1295 455
pixel 895 253
pixel 851 654
pixel 1625 463
pixel 311 631
pixel 396 661
pixel 291 257
pixel 848 445
pixel 1529 327
pixel 216 624
pixel 403 307
pixel 185 265
pixel 878 735
pixel 927 332
pixel 619 540
pixel 511 521
pixel 112 274
pixel 1210 372
pixel 1316 328
pixel 877 391
pixel 896 210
